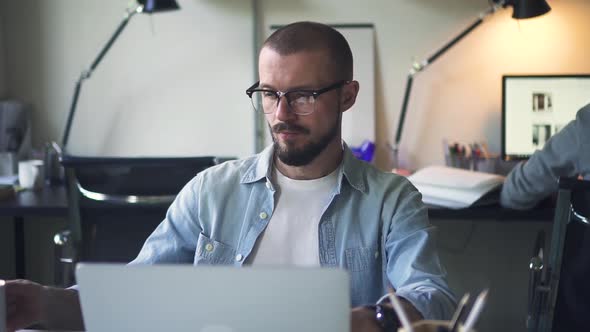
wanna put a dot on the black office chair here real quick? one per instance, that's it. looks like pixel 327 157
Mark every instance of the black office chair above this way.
pixel 559 293
pixel 115 204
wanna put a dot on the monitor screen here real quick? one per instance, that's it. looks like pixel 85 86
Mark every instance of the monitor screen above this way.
pixel 536 107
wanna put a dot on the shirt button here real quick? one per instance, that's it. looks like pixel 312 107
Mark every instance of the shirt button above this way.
pixel 376 254
pixel 263 215
pixel 239 257
pixel 268 185
pixel 209 247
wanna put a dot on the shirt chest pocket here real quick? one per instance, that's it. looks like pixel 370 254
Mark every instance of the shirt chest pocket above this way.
pixel 364 265
pixel 211 252
pixel 361 259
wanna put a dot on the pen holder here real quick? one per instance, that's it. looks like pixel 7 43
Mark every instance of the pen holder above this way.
pixel 486 165
pixel 458 161
pixel 433 326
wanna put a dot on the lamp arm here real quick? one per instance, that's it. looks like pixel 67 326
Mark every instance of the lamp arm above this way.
pixel 66 135
pixel 402 117
pixel 419 66
pixel 88 72
pixel 458 38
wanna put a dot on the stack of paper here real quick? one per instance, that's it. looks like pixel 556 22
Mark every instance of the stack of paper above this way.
pixel 452 187
pixel 8 179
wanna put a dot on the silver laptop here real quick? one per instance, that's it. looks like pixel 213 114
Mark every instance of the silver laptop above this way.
pixel 176 298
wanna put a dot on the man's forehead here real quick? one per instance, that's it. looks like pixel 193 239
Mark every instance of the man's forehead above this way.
pixel 271 53
pixel 301 70
pixel 303 62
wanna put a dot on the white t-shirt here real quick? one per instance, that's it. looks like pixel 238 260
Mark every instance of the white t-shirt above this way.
pixel 291 236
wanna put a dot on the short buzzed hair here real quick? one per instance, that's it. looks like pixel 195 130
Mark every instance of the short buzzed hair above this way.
pixel 312 36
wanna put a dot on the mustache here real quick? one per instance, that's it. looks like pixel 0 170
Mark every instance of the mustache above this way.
pixel 291 127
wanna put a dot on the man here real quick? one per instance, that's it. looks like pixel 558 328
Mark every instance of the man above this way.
pixel 567 153
pixel 305 200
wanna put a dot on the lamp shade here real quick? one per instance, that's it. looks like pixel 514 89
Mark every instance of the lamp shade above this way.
pixel 529 8
pixel 153 6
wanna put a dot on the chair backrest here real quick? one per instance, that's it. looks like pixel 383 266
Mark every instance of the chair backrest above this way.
pixel 566 305
pixel 115 203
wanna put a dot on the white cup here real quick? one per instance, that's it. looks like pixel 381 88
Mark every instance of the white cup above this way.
pixel 2 307
pixel 30 174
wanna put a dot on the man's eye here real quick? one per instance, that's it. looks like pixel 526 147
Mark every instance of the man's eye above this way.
pixel 269 94
pixel 300 97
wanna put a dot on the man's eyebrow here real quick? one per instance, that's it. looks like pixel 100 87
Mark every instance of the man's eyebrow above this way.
pixel 266 86
pixel 294 88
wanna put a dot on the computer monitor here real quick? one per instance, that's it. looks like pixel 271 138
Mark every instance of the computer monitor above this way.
pixel 536 107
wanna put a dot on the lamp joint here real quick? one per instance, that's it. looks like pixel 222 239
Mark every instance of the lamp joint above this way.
pixel 418 67
pixel 132 11
pixel 85 74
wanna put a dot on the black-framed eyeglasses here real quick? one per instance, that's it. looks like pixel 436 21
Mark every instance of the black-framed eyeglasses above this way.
pixel 300 101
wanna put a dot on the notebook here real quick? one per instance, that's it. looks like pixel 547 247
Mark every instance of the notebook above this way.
pixel 456 188
pixel 178 298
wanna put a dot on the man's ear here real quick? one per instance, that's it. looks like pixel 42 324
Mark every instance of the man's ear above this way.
pixel 348 96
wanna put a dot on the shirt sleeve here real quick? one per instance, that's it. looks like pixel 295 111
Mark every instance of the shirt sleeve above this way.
pixel 413 265
pixel 531 181
pixel 174 240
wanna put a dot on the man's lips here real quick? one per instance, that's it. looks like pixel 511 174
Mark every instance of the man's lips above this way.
pixel 289 134
pixel 289 131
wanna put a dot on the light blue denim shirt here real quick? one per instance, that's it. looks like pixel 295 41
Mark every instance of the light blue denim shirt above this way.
pixel 375 226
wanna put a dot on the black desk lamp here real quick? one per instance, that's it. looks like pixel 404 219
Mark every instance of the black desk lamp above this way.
pixel 522 9
pixel 141 6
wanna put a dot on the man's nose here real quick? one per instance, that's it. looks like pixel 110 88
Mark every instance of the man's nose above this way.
pixel 283 111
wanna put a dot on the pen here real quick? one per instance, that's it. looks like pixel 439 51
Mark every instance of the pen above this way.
pixel 484 149
pixel 457 315
pixel 401 314
pixel 446 147
pixel 475 311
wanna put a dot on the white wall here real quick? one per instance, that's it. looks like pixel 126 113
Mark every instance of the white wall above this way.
pixel 172 84
pixel 459 96
pixel 200 59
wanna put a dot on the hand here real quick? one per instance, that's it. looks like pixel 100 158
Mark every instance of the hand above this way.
pixel 413 314
pixel 362 319
pixel 29 303
pixel 24 304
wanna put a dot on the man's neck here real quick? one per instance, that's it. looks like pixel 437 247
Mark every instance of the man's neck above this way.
pixel 322 165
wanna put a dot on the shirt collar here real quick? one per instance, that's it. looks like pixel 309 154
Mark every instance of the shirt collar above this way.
pixel 351 169
pixel 261 167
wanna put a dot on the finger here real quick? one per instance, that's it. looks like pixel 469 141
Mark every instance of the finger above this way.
pixel 19 288
pixel 16 282
pixel 11 310
pixel 16 322
pixel 12 287
pixel 10 284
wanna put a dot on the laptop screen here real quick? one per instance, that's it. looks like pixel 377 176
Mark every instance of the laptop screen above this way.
pixel 536 107
pixel 156 298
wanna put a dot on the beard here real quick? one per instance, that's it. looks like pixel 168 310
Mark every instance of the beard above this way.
pixel 293 156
